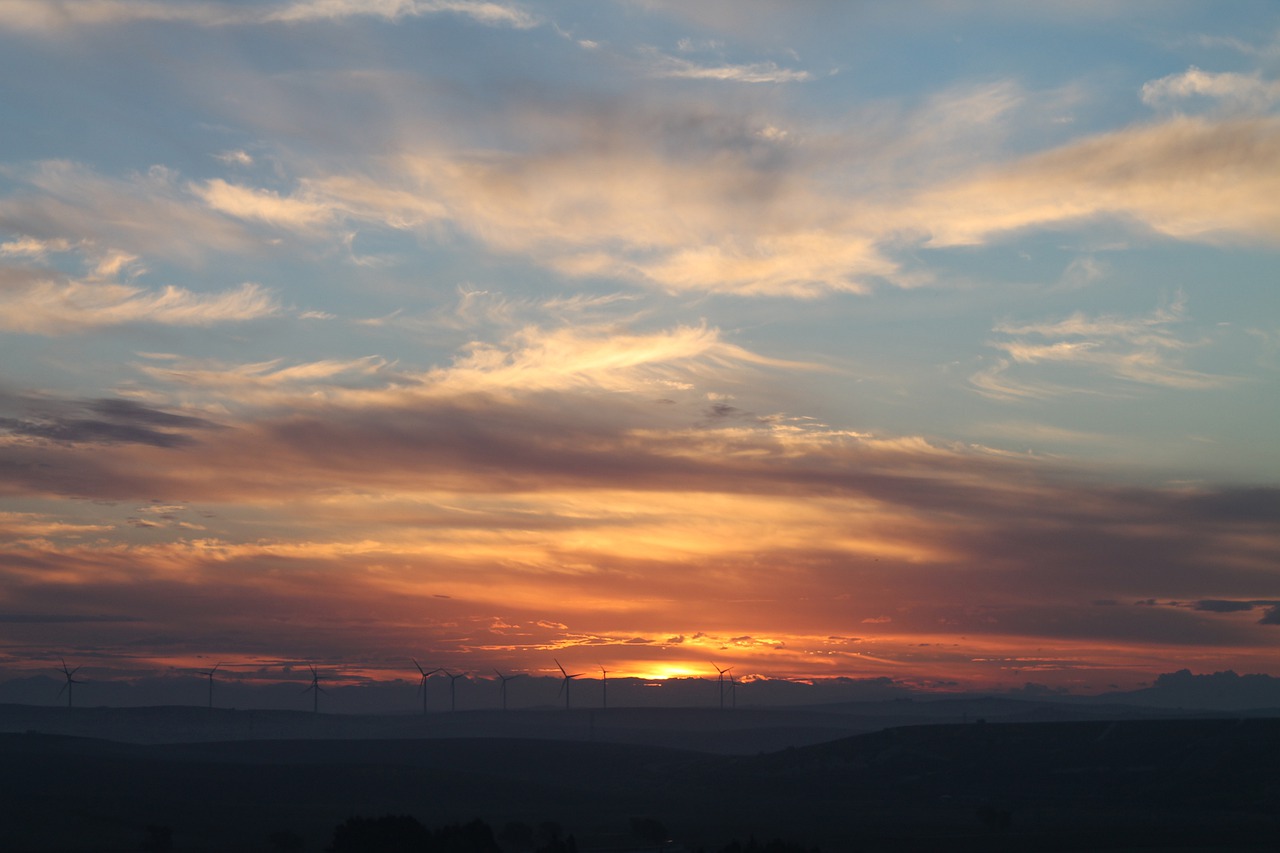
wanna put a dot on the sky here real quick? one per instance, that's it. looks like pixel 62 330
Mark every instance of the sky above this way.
pixel 937 342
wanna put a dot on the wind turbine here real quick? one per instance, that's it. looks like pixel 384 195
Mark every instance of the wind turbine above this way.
pixel 314 689
pixel 453 691
pixel 733 690
pixel 505 679
pixel 721 681
pixel 70 681
pixel 604 687
pixel 564 685
pixel 210 675
pixel 422 685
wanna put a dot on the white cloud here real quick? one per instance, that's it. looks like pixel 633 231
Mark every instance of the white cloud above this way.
pixel 756 72
pixel 49 307
pixel 1244 91
pixel 262 205
pixel 61 203
pixel 113 262
pixel 235 158
pixel 1141 350
pixel 53 16
pixel 30 247
pixel 1189 178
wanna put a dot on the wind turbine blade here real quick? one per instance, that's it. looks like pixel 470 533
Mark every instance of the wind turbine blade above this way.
pixel 562 672
pixel 419 666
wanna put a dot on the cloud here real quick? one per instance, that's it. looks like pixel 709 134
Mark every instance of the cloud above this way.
pixel 235 158
pixel 60 618
pixel 47 306
pixel 1218 606
pixel 29 247
pixel 1237 91
pixel 690 202
pixel 264 206
pixel 1188 178
pixel 488 13
pixel 757 72
pixel 151 215
pixel 106 421
pixel 1141 350
pixel 53 16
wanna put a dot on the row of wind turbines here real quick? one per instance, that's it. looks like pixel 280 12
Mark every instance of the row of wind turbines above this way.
pixel 315 689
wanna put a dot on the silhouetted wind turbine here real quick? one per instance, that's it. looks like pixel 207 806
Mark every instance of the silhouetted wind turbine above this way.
pixel 564 685
pixel 315 689
pixel 453 692
pixel 505 679
pixel 422 685
pixel 604 687
pixel 721 681
pixel 70 681
pixel 210 675
pixel 733 689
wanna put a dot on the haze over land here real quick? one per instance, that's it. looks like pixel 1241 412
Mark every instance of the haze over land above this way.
pixel 933 343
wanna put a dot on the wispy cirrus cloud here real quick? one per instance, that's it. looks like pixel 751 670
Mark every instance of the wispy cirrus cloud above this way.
pixel 528 360
pixel 1188 178
pixel 677 67
pixel 261 205
pixel 52 306
pixel 1142 350
pixel 51 16
pixel 151 214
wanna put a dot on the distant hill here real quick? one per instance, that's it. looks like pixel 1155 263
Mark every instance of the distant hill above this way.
pixel 1093 785
pixel 1177 784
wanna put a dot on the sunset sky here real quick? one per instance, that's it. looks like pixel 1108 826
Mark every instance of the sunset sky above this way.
pixel 931 341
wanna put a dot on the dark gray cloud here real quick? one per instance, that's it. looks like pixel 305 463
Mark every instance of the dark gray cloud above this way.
pixel 54 618
pixel 100 421
pixel 1217 606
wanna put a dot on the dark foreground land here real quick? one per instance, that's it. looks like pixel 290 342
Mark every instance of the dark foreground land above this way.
pixel 1169 785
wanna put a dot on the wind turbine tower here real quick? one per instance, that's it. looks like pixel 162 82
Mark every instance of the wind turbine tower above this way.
pixel 722 673
pixel 604 687
pixel 564 685
pixel 314 689
pixel 70 681
pixel 505 679
pixel 422 685
pixel 453 688
pixel 209 674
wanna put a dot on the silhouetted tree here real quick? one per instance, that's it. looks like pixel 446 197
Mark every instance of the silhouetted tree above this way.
pixel 648 829
pixel 474 837
pixel 517 834
pixel 386 834
pixel 285 841
pixel 775 845
pixel 548 832
pixel 568 845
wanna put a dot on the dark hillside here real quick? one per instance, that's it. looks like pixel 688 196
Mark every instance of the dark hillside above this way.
pixel 1095 785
